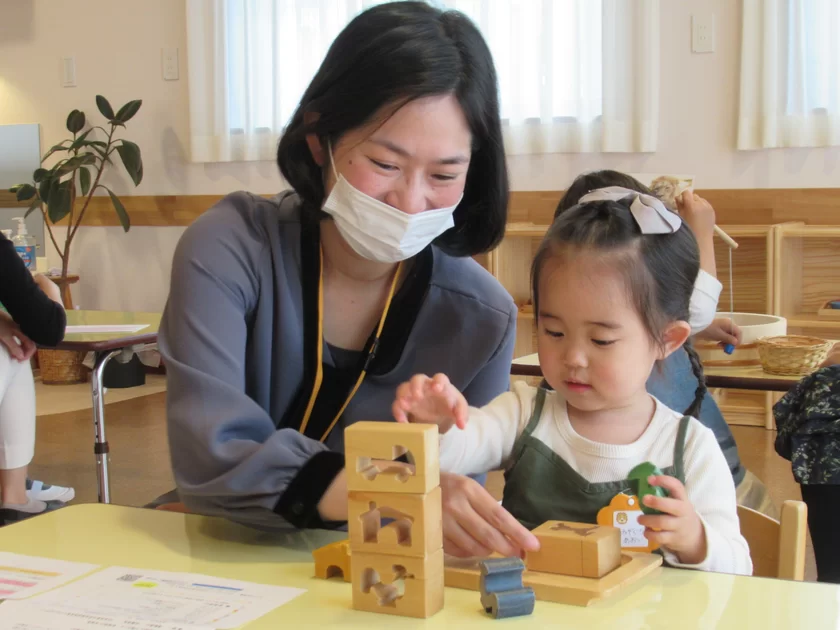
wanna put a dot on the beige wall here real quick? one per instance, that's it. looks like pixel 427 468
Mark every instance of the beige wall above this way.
pixel 120 58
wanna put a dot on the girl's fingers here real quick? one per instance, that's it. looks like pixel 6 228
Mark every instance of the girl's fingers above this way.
pixel 461 412
pixel 672 485
pixel 398 413
pixel 668 505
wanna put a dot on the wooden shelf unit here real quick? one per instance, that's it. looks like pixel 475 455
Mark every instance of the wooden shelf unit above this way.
pixel 806 277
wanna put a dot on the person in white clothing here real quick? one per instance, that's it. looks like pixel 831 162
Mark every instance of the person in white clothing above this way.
pixel 611 286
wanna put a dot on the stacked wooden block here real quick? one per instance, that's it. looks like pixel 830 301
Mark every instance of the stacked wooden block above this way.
pixel 396 568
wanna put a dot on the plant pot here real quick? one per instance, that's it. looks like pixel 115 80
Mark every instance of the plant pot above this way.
pixel 62 367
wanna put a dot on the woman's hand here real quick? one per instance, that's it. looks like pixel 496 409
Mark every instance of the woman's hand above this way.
pixel 723 330
pixel 431 401
pixel 20 347
pixel 474 524
pixel 679 528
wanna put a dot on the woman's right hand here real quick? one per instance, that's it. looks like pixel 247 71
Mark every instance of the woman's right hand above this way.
pixel 20 347
pixel 431 401
pixel 474 524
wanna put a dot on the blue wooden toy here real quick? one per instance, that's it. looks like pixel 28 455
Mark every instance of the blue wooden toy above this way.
pixel 502 592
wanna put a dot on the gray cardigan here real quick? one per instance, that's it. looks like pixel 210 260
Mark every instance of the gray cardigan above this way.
pixel 232 341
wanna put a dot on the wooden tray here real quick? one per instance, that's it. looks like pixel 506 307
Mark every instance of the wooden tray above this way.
pixel 829 313
pixel 563 589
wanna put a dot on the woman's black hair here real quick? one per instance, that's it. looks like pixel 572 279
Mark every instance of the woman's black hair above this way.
pixel 660 287
pixel 392 54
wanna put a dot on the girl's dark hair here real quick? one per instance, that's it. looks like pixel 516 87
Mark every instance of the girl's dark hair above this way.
pixel 659 269
pixel 392 54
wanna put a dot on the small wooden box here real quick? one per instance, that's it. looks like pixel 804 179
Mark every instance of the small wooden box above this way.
pixel 415 531
pixel 398 585
pixel 577 549
pixel 365 442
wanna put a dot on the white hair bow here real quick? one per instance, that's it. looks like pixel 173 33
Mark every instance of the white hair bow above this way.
pixel 649 212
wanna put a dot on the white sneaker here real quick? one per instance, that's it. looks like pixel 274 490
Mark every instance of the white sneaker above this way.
pixel 40 491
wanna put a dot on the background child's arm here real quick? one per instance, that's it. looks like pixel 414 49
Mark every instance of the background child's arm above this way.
pixel 712 493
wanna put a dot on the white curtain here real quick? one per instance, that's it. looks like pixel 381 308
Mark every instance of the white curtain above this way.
pixel 574 75
pixel 790 74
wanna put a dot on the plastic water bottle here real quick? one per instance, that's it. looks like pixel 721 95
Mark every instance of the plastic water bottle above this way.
pixel 25 245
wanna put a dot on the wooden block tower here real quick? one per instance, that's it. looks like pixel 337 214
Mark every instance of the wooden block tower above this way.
pixel 396 568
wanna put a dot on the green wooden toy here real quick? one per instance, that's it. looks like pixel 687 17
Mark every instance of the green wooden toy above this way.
pixel 639 476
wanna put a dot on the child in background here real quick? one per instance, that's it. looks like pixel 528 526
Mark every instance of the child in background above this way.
pixel 611 287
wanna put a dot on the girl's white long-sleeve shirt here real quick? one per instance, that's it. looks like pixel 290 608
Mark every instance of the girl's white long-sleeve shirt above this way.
pixel 487 444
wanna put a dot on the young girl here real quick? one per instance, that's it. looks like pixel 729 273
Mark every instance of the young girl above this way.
pixel 611 286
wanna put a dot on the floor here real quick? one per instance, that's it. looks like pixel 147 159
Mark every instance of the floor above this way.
pixel 140 469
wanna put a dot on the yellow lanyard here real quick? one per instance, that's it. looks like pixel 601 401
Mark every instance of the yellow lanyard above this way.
pixel 319 373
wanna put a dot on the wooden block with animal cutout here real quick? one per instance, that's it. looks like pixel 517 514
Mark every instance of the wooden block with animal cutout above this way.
pixel 333 560
pixel 371 448
pixel 578 549
pixel 415 529
pixel 408 586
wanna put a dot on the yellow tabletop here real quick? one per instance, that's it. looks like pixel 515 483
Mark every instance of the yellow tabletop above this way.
pixel 149 539
pixel 104 340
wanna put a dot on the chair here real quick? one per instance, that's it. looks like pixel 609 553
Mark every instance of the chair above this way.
pixel 777 548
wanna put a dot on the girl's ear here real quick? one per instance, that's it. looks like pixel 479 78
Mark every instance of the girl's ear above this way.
pixel 676 334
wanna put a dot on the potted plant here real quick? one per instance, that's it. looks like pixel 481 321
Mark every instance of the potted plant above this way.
pixel 65 190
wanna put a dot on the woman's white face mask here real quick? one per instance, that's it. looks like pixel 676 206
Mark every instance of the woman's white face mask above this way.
pixel 380 232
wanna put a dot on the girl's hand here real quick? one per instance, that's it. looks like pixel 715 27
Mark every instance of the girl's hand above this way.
pixel 723 330
pixel 431 401
pixel 678 529
pixel 698 213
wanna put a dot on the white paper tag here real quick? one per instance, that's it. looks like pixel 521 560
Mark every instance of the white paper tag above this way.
pixel 632 534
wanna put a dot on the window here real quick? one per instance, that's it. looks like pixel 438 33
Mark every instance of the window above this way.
pixel 790 92
pixel 251 60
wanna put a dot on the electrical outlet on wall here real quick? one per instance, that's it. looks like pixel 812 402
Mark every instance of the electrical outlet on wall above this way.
pixel 169 62
pixel 703 33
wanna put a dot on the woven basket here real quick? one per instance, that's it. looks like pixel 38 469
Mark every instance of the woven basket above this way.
pixel 62 367
pixel 792 354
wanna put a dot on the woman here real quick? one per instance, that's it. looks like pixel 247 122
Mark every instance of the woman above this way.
pixel 33 314
pixel 290 319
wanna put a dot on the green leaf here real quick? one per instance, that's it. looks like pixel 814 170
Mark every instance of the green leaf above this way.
pixel 36 203
pixel 80 141
pixel 121 213
pixel 74 163
pixel 45 188
pixel 84 181
pixel 130 154
pixel 75 121
pixel 59 205
pixel 24 192
pixel 39 174
pixel 128 110
pixel 58 147
pixel 104 107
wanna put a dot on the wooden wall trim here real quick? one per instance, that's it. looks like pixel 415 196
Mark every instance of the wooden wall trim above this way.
pixel 8 199
pixel 749 206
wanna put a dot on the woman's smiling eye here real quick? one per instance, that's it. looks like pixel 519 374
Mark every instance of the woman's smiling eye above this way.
pixel 383 165
pixel 603 342
pixel 553 333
